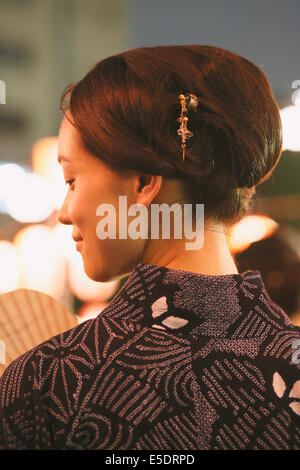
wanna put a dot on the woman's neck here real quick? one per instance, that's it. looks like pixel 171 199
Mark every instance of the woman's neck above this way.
pixel 214 258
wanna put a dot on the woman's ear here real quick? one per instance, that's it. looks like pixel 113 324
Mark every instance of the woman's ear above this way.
pixel 147 187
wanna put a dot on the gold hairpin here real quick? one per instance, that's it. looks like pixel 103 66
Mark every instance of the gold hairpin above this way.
pixel 187 102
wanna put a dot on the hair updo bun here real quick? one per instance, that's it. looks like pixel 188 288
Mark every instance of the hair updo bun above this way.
pixel 126 110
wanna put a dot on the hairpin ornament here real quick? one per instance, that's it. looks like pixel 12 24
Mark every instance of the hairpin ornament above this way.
pixel 188 102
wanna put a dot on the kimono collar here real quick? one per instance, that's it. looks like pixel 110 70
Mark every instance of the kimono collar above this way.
pixel 188 303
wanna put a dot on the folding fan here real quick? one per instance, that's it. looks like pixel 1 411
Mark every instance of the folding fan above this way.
pixel 27 318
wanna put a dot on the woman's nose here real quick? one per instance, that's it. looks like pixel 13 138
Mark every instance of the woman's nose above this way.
pixel 62 215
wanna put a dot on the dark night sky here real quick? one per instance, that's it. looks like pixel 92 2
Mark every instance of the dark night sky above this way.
pixel 265 32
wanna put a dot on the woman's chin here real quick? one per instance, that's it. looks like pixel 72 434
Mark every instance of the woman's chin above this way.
pixel 96 274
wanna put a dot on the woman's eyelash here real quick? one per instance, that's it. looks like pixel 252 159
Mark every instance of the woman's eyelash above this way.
pixel 69 182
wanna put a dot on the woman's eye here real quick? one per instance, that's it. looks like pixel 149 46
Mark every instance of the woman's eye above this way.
pixel 70 182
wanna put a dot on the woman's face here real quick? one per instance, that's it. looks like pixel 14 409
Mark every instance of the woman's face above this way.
pixel 91 183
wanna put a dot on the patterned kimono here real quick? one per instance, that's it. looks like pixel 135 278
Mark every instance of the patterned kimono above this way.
pixel 177 360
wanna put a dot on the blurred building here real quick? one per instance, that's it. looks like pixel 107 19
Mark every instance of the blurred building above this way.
pixel 44 45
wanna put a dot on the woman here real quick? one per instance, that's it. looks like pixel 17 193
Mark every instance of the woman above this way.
pixel 190 354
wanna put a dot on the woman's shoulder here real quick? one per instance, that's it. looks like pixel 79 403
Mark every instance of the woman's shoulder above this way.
pixel 30 362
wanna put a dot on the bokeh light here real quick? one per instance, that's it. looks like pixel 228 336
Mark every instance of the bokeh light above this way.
pixel 248 230
pixel 29 198
pixel 90 310
pixel 85 288
pixel 9 176
pixel 9 267
pixel 290 118
pixel 44 155
pixel 40 266
pixel 63 241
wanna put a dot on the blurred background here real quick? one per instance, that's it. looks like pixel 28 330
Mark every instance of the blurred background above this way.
pixel 47 44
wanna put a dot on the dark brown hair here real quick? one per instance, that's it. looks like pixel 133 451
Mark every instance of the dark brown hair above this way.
pixel 126 110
